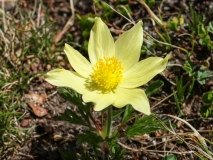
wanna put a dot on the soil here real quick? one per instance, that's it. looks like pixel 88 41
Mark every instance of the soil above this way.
pixel 48 139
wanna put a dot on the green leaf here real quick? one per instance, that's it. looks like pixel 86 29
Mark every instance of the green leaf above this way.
pixel 124 11
pixel 208 97
pixel 154 87
pixel 127 114
pixel 201 75
pixel 205 41
pixel 107 11
pixel 117 113
pixel 178 105
pixel 188 67
pixel 75 98
pixel 191 86
pixel 67 155
pixel 85 45
pixel 201 31
pixel 180 88
pixel 170 157
pixel 89 137
pixel 92 139
pixel 210 28
pixel 70 95
pixel 194 16
pixel 72 117
pixel 69 37
pixel 145 124
pixel 117 152
pixel 86 23
pixel 205 111
pixel 173 25
pixel 150 3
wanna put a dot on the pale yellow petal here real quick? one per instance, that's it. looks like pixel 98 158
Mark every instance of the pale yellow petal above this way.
pixel 101 101
pixel 79 63
pixel 128 46
pixel 143 71
pixel 101 43
pixel 136 97
pixel 65 78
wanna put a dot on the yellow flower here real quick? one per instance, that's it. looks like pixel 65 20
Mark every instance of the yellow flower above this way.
pixel 113 73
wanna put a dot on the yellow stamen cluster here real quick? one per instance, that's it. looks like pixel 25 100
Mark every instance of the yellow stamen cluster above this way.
pixel 107 73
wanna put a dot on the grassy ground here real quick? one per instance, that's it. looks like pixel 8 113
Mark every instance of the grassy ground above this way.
pixel 32 37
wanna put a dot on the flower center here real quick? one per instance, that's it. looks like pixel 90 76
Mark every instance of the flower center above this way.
pixel 107 73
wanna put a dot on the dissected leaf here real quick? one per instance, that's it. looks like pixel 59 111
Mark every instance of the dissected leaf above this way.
pixel 75 98
pixel 67 155
pixel 89 137
pixel 117 113
pixel 70 96
pixel 72 117
pixel 142 125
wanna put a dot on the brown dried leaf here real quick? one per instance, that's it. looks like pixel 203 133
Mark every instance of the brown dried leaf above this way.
pixel 38 98
pixel 58 36
pixel 24 122
pixel 37 110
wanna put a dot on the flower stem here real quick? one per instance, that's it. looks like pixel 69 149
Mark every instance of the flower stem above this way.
pixel 108 124
pixel 94 122
pixel 108 121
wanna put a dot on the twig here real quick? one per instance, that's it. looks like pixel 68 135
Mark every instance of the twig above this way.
pixel 52 94
pixel 142 149
pixel 147 34
pixel 131 21
pixel 162 101
pixel 196 133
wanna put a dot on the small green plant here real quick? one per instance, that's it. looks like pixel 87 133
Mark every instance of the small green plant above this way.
pixel 196 19
pixel 104 82
pixel 199 75
pixel 203 33
pixel 180 94
pixel 174 22
pixel 198 27
pixel 206 109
